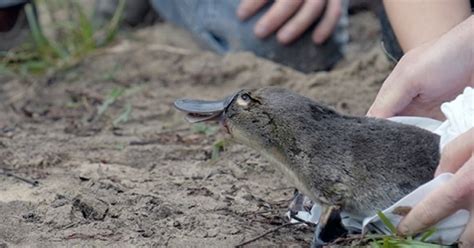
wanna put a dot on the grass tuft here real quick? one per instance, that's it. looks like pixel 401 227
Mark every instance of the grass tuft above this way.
pixel 70 41
pixel 395 241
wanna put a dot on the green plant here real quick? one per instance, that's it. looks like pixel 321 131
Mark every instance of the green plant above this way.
pixel 202 128
pixel 387 222
pixel 69 42
pixel 396 241
pixel 217 148
pixel 111 98
pixel 124 116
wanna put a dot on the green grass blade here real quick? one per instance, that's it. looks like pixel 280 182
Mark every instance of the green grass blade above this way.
pixel 124 116
pixel 386 244
pixel 387 222
pixel 428 234
pixel 113 25
pixel 375 245
pixel 111 98
pixel 217 148
pixel 34 66
pixel 86 30
pixel 202 128
pixel 73 36
pixel 4 70
pixel 36 33
pixel 46 48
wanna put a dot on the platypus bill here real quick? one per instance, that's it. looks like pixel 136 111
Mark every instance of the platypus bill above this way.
pixel 356 164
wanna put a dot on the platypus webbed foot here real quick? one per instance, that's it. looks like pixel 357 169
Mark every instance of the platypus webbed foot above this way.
pixel 329 228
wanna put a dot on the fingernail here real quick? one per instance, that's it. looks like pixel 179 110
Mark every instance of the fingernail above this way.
pixel 261 31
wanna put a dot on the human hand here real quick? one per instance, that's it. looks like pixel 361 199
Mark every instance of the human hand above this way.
pixel 428 76
pixel 456 153
pixel 292 18
pixel 457 193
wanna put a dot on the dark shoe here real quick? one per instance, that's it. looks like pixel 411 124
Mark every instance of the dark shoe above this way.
pixel 14 28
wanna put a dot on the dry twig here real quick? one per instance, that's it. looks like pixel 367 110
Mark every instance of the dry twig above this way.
pixel 10 174
pixel 266 233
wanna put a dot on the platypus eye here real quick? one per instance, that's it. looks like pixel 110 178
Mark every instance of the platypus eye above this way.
pixel 244 100
pixel 245 97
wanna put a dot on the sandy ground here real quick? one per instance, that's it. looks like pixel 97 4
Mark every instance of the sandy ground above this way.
pixel 152 180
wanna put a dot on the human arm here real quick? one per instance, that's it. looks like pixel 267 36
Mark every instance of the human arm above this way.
pixel 291 18
pixel 429 75
pixel 416 22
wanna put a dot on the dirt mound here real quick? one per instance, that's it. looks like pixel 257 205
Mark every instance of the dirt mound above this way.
pixel 116 165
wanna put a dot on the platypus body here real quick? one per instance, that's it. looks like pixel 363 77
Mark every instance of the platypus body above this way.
pixel 359 164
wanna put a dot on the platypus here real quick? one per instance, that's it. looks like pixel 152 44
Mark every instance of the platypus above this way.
pixel 357 164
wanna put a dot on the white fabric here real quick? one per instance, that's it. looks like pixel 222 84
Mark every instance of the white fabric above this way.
pixel 448 230
pixel 459 115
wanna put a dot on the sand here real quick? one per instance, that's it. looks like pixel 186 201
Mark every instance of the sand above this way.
pixel 151 179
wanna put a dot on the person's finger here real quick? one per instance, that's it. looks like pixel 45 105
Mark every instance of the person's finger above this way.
pixel 396 93
pixel 425 215
pixel 248 8
pixel 328 23
pixel 276 16
pixel 467 238
pixel 456 153
pixel 442 202
pixel 307 14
